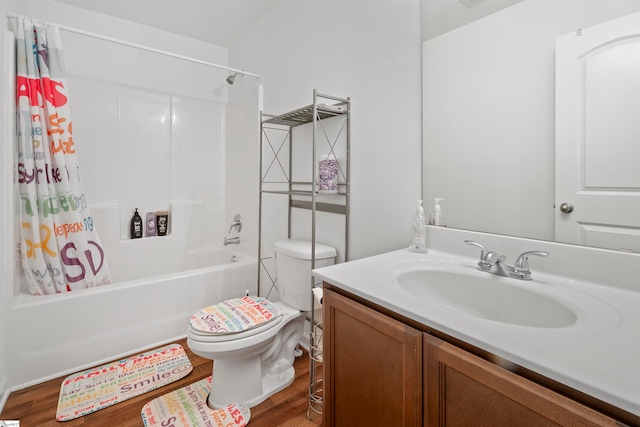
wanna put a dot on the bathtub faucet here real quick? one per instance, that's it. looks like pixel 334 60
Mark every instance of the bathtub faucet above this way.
pixel 237 224
pixel 232 240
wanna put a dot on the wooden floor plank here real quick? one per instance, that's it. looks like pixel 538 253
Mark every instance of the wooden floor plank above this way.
pixel 36 406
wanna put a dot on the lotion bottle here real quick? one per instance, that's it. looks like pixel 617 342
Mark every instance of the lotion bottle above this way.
pixel 437 217
pixel 419 238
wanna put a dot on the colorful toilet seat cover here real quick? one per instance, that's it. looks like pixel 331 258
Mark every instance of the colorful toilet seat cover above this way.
pixel 235 315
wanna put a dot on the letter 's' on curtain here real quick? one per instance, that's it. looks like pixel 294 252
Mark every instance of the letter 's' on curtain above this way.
pixel 61 250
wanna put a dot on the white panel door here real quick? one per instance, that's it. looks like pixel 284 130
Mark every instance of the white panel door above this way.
pixel 598 135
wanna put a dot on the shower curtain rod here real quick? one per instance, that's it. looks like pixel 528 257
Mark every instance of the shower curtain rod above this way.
pixel 142 47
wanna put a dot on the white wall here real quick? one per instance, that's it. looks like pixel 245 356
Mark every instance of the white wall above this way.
pixel 489 117
pixel 242 160
pixel 6 217
pixel 366 50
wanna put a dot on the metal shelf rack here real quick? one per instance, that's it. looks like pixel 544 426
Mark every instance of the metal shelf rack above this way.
pixel 276 180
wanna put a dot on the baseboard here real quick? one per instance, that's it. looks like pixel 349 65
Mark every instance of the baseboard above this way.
pixel 4 392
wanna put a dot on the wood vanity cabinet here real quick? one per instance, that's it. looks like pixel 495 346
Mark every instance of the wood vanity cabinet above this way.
pixel 373 372
pixel 378 371
pixel 464 390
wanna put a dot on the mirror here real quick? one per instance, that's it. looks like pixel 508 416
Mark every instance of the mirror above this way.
pixel 489 111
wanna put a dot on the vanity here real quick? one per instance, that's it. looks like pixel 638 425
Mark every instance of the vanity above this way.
pixel 428 339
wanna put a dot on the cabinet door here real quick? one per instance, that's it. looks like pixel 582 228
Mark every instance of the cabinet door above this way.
pixel 464 390
pixel 372 367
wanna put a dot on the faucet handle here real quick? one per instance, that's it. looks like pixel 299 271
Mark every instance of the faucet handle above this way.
pixel 484 251
pixel 237 224
pixel 522 263
pixel 487 258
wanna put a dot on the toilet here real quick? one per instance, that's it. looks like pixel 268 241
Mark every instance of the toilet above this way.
pixel 252 340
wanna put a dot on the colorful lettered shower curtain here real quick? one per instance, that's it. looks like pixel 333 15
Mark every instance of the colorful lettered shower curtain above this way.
pixel 61 250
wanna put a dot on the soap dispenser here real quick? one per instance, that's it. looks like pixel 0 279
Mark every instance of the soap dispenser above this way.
pixel 419 238
pixel 437 217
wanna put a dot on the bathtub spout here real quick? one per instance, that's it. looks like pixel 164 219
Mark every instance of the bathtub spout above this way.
pixel 232 240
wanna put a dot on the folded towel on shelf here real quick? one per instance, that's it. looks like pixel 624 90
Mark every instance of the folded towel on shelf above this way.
pixel 334 108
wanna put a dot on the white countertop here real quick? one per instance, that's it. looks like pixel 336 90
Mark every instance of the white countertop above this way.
pixel 598 355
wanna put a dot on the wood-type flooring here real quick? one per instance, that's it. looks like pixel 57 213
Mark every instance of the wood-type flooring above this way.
pixel 36 406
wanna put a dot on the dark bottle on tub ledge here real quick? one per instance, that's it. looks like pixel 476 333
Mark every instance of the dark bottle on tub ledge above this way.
pixel 162 220
pixel 136 225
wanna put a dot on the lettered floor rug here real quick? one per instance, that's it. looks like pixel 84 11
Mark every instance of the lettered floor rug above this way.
pixel 187 407
pixel 106 385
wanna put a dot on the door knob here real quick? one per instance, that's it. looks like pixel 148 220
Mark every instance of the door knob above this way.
pixel 566 207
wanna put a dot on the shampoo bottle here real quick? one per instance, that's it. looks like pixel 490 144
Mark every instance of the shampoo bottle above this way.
pixel 162 222
pixel 419 238
pixel 151 224
pixel 136 226
pixel 437 217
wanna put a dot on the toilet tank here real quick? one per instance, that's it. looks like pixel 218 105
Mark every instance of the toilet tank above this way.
pixel 293 269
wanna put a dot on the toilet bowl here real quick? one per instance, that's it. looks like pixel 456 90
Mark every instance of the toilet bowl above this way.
pixel 251 340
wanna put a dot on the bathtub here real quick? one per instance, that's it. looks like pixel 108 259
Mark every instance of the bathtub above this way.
pixel 61 334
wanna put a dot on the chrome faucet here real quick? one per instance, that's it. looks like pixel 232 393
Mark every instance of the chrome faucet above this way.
pixel 232 240
pixel 493 263
pixel 237 224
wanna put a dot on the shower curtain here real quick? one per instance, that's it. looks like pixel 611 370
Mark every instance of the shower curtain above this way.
pixel 60 247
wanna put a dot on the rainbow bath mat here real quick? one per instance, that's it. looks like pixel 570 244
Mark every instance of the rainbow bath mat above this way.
pixel 187 407
pixel 106 385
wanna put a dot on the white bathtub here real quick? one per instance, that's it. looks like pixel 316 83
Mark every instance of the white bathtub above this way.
pixel 59 334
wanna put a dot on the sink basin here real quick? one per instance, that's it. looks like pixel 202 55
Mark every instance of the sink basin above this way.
pixel 487 296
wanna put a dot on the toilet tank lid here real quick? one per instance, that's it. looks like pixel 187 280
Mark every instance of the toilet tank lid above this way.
pixel 301 249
